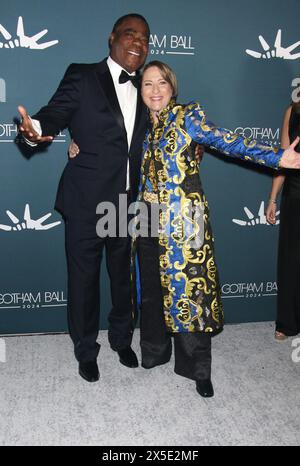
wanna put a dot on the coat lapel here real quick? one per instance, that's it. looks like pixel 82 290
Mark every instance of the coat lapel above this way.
pixel 139 117
pixel 107 85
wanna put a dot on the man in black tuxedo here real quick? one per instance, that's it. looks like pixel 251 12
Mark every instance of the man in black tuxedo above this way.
pixel 101 106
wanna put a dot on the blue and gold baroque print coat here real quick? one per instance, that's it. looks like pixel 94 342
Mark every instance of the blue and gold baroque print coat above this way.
pixel 188 272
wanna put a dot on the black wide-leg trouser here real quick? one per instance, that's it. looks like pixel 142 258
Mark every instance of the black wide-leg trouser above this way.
pixel 192 350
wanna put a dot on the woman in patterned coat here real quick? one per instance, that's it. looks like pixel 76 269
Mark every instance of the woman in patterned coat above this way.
pixel 180 290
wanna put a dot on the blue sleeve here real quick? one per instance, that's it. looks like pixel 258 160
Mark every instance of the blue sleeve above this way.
pixel 228 142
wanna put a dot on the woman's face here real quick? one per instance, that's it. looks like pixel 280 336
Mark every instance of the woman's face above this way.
pixel 156 91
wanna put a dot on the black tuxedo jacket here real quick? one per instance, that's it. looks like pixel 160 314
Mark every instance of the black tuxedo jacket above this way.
pixel 86 103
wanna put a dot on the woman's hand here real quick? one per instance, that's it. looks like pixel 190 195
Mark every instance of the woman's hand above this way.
pixel 290 158
pixel 73 150
pixel 271 212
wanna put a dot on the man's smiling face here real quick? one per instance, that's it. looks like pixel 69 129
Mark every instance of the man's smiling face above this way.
pixel 129 44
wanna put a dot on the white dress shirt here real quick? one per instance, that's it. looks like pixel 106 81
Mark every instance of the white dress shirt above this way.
pixel 127 97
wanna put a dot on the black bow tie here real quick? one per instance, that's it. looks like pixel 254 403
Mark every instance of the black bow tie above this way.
pixel 124 77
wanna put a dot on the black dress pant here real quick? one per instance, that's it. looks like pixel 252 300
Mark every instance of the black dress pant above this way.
pixel 192 350
pixel 288 298
pixel 84 254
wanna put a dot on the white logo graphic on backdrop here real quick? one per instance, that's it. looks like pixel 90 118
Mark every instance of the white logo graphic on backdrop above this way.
pixel 28 223
pixel 32 300
pixel 275 51
pixel 253 220
pixel 9 131
pixel 21 40
pixel 171 44
pixel 2 90
pixel 249 290
pixel 267 135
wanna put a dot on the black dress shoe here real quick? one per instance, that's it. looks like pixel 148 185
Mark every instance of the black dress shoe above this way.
pixel 128 357
pixel 147 365
pixel 204 388
pixel 89 371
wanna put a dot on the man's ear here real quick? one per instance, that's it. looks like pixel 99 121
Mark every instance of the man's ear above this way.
pixel 111 39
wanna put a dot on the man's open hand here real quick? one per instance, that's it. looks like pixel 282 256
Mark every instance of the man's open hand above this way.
pixel 27 129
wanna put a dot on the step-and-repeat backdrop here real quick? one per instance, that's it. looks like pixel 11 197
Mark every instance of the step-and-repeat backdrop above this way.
pixel 239 58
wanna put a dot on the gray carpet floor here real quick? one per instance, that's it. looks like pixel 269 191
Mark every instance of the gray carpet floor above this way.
pixel 43 401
